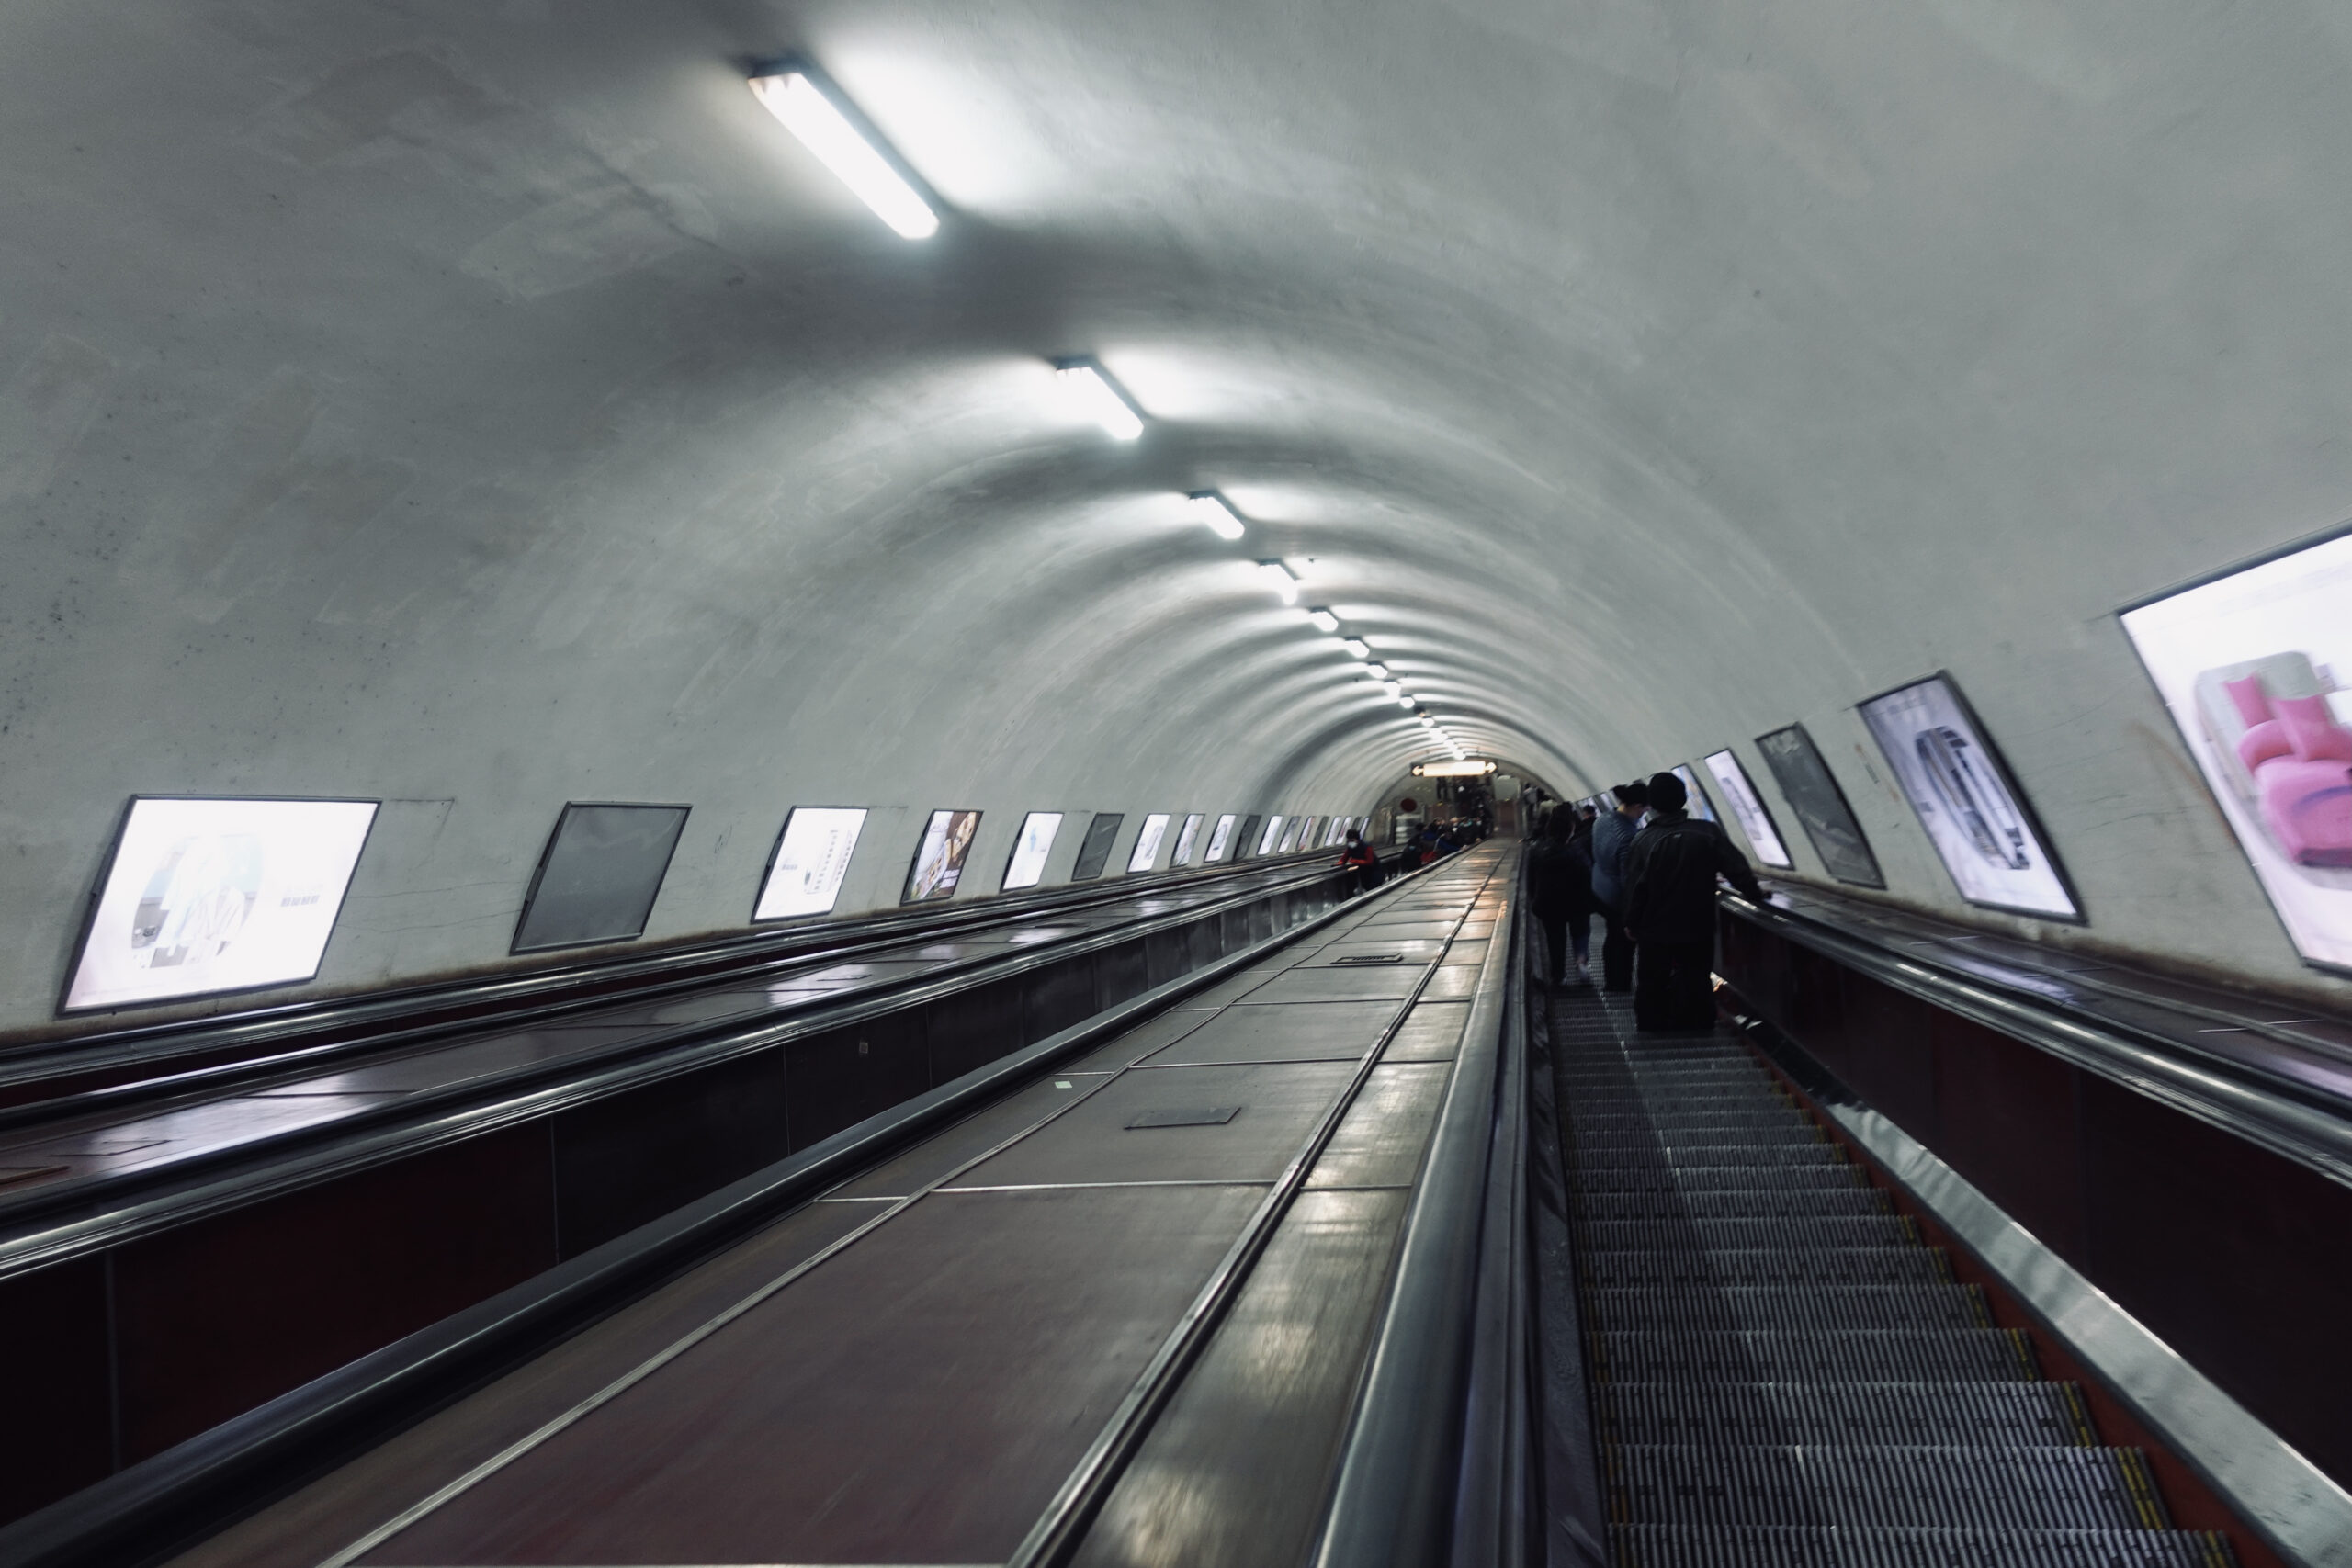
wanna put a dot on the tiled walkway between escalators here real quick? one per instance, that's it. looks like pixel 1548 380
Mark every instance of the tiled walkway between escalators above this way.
pixel 1782 1373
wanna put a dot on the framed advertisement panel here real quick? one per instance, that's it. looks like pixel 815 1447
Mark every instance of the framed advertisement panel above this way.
pixel 1812 792
pixel 1967 801
pixel 1220 840
pixel 1147 841
pixel 2252 666
pixel 1094 849
pixel 1030 847
pixel 203 896
pixel 939 857
pixel 1187 839
pixel 1747 809
pixel 599 874
pixel 810 858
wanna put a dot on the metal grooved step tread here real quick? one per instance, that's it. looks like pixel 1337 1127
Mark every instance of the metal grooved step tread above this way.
pixel 1825 1266
pixel 1900 1415
pixel 1838 1546
pixel 1784 1374
pixel 1816 1308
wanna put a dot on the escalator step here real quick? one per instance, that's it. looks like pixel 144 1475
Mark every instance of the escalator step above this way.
pixel 1827 1266
pixel 1719 1178
pixel 1652 1152
pixel 1750 1235
pixel 1670 1209
pixel 1988 1414
pixel 1707 1356
pixel 2000 1488
pixel 1812 1309
pixel 1832 1546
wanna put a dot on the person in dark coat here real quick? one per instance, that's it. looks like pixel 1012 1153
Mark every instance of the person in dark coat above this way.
pixel 1612 841
pixel 1559 889
pixel 1670 909
pixel 1360 858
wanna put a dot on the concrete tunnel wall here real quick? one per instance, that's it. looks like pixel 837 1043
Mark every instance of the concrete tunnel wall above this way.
pixel 486 405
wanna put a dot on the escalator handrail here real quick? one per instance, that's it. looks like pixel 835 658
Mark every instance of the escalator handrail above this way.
pixel 2308 1129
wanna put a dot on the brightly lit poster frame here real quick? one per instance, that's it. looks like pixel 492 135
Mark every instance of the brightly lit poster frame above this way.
pixel 106 898
pixel 832 883
pixel 1148 839
pixel 1021 839
pixel 1187 840
pixel 938 827
pixel 2309 580
pixel 1220 840
pixel 1740 790
pixel 1936 815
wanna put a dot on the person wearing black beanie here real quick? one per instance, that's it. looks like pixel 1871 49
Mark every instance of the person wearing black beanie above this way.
pixel 1669 905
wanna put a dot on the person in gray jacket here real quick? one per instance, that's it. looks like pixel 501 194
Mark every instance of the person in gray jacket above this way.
pixel 1613 840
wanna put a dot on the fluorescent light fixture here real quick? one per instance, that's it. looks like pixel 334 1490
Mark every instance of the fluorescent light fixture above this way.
pixel 1278 577
pixel 1377 671
pixel 1358 647
pixel 1404 701
pixel 1392 688
pixel 1459 770
pixel 1092 395
pixel 1215 511
pixel 794 97
pixel 1324 620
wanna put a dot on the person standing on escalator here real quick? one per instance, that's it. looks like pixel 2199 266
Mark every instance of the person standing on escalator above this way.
pixel 1359 857
pixel 1670 909
pixel 1559 889
pixel 1613 840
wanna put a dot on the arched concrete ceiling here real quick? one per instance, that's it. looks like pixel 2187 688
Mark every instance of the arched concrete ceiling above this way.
pixel 484 403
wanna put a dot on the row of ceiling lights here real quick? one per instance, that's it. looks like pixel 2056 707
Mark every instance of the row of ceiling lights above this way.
pixel 825 121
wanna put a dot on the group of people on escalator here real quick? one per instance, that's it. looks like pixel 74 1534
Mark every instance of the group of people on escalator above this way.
pixel 1647 868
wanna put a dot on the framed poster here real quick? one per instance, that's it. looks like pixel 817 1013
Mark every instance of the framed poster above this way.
pixel 205 895
pixel 1271 836
pixel 810 858
pixel 939 858
pixel 1187 838
pixel 1748 807
pixel 1965 798
pixel 1148 838
pixel 599 874
pixel 1030 848
pixel 1220 840
pixel 2251 666
pixel 1812 792
pixel 1245 836
pixel 1094 849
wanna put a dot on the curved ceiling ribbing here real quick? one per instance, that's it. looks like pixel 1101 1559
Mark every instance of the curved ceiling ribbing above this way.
pixel 484 405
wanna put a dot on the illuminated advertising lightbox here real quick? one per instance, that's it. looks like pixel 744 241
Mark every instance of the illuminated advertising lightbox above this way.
pixel 1289 840
pixel 1699 806
pixel 1147 850
pixel 1186 836
pixel 939 859
pixel 1220 840
pixel 1748 809
pixel 2253 666
pixel 810 860
pixel 1031 848
pixel 1271 836
pixel 1964 798
pixel 1812 792
pixel 204 896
